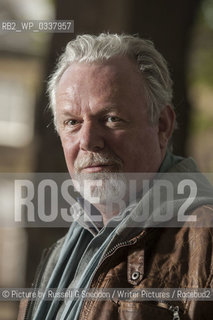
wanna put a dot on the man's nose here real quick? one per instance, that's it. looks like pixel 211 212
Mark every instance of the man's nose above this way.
pixel 91 137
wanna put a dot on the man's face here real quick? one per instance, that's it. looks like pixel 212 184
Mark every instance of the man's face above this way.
pixel 102 119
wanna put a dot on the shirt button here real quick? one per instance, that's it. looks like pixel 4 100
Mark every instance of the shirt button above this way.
pixel 135 275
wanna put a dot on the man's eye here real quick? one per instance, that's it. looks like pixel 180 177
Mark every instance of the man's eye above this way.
pixel 71 122
pixel 113 119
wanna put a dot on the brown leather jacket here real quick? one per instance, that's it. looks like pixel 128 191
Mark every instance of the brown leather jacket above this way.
pixel 156 258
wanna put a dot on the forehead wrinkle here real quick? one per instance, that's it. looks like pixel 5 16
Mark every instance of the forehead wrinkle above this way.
pixel 97 85
pixel 70 93
pixel 69 100
pixel 111 107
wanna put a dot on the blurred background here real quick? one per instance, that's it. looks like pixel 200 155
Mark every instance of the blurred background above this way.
pixel 182 31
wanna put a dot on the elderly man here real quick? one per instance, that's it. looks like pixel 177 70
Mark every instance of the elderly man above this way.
pixel 111 97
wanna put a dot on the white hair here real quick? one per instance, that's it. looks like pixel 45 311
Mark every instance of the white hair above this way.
pixel 152 65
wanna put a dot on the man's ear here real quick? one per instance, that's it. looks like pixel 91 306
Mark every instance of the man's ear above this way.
pixel 166 126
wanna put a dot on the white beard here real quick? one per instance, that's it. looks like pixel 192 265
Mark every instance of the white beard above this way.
pixel 101 188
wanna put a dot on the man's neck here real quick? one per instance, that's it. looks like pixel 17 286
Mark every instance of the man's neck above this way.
pixel 108 211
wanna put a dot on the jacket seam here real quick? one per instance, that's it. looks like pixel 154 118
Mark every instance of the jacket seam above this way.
pixel 208 281
pixel 208 207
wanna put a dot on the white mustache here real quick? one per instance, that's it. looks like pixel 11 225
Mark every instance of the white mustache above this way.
pixel 93 159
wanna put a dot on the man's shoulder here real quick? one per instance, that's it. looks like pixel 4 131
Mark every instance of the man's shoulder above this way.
pixel 203 216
